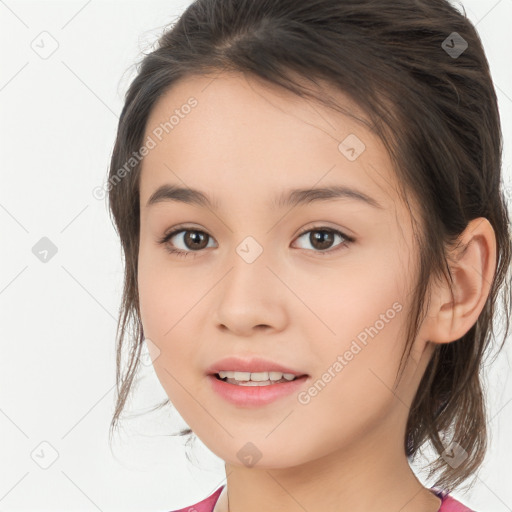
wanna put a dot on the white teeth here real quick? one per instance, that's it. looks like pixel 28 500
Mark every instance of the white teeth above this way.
pixel 257 376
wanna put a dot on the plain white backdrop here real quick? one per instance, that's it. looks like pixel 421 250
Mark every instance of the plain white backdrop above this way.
pixel 64 70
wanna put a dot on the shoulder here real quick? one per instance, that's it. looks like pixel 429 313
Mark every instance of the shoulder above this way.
pixel 205 505
pixel 449 503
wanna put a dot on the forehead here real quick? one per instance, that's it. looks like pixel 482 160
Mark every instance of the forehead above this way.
pixel 230 133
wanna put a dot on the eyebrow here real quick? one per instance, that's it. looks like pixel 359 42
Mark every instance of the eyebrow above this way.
pixel 294 197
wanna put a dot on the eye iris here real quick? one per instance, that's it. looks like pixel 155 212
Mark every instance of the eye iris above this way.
pixel 195 237
pixel 321 236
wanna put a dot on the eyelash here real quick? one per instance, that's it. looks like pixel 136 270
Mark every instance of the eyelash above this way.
pixel 183 254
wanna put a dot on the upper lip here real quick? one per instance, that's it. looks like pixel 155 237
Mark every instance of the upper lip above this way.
pixel 251 365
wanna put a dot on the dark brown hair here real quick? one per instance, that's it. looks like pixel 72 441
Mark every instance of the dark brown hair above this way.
pixel 437 115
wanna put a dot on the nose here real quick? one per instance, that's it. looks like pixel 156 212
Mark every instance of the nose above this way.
pixel 251 298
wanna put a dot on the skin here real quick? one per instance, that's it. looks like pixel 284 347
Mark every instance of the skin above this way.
pixel 245 143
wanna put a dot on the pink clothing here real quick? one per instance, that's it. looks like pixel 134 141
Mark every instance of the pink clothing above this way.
pixel 203 506
pixel 449 504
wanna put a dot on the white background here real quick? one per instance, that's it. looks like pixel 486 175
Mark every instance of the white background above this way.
pixel 57 371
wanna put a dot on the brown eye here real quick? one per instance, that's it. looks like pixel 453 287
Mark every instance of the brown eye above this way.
pixel 321 239
pixel 191 240
pixel 194 240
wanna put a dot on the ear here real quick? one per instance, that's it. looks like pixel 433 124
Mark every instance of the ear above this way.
pixel 472 265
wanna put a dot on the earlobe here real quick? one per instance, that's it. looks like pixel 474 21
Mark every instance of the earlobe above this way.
pixel 472 265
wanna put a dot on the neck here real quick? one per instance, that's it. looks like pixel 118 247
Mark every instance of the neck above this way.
pixel 371 473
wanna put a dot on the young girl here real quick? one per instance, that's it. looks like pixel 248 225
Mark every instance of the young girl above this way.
pixel 308 198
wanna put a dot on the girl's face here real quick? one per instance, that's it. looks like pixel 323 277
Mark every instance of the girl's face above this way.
pixel 262 275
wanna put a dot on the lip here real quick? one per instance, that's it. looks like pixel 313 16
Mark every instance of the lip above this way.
pixel 251 364
pixel 255 396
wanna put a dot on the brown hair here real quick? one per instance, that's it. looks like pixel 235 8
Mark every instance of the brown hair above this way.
pixel 436 112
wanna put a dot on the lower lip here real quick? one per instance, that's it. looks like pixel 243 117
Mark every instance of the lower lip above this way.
pixel 254 396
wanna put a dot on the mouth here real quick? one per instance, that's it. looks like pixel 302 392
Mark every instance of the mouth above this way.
pixel 248 390
pixel 256 379
pixel 248 380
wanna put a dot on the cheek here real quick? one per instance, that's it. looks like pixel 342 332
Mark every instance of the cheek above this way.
pixel 158 283
pixel 356 295
pixel 160 306
pixel 167 302
pixel 351 391
pixel 151 295
pixel 363 313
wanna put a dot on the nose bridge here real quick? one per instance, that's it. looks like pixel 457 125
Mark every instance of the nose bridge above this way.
pixel 248 294
pixel 249 274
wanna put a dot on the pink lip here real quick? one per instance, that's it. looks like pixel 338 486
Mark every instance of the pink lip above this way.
pixel 254 396
pixel 253 365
